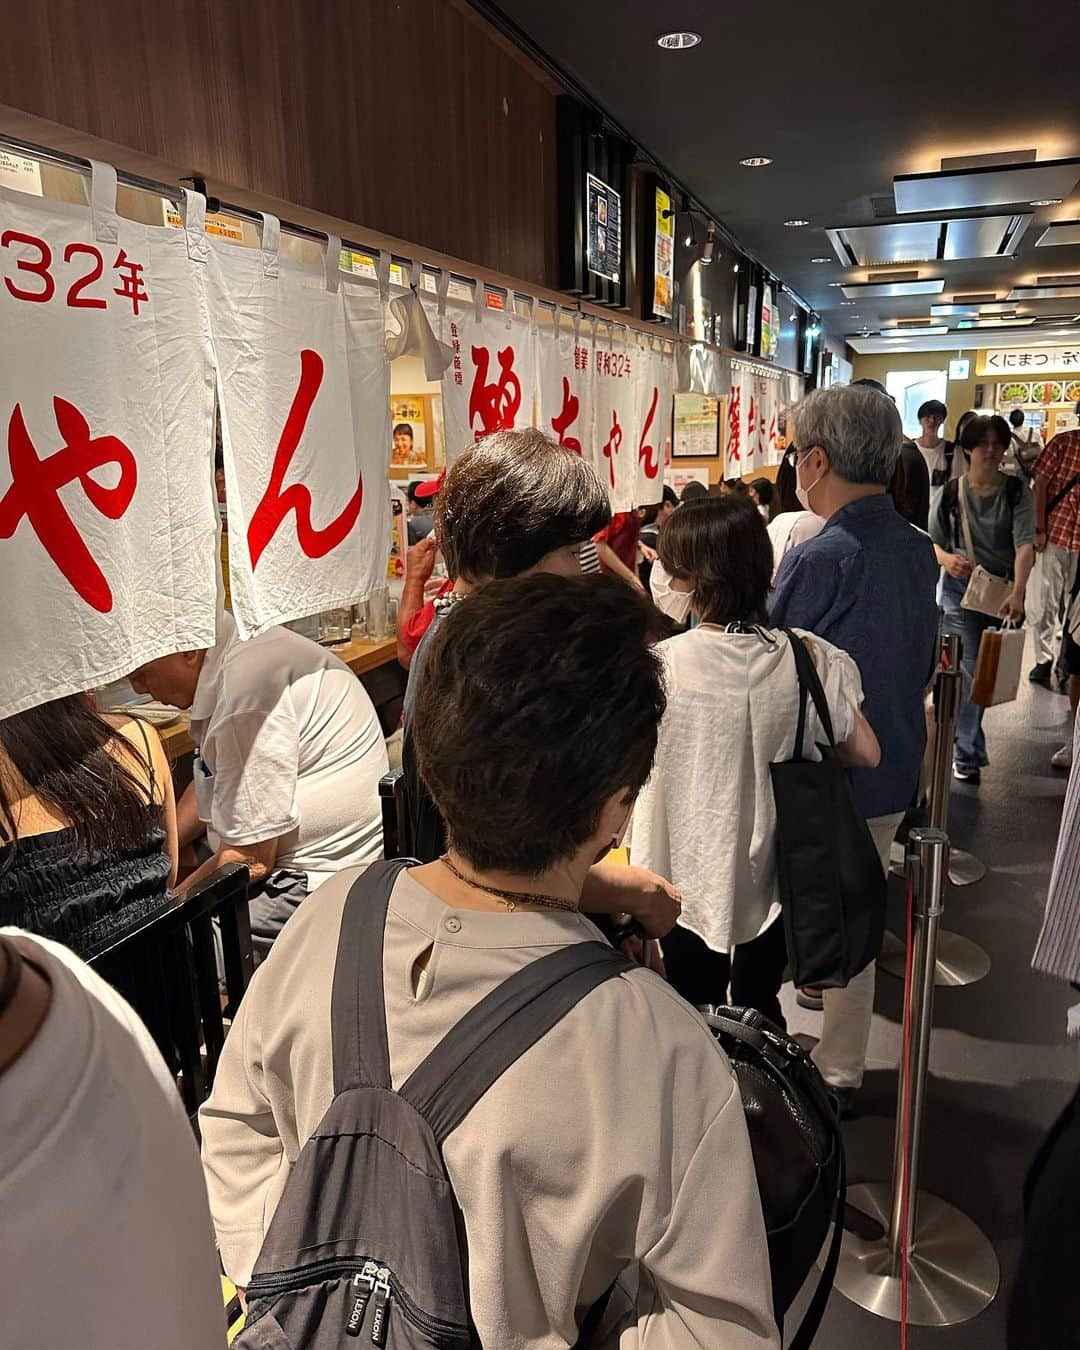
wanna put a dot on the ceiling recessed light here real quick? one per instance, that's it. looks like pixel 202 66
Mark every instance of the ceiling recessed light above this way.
pixel 836 283
pixel 1047 201
pixel 755 162
pixel 678 42
pixel 912 330
pixel 849 302
pixel 821 260
pixel 794 224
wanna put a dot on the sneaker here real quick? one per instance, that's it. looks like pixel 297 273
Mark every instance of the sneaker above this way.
pixel 1063 758
pixel 1040 674
pixel 962 775
pixel 810 999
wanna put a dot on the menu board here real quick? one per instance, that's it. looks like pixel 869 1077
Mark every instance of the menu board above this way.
pixel 603 219
pixel 1019 393
pixel 16 171
pixel 663 256
pixel 697 427
pixel 225 227
pixel 769 329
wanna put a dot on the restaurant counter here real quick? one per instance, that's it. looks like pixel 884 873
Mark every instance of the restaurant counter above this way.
pixel 362 657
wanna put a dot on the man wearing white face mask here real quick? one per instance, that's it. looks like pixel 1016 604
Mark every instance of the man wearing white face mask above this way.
pixel 866 584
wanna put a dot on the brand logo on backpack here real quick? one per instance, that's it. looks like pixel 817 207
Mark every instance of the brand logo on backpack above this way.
pixel 362 1286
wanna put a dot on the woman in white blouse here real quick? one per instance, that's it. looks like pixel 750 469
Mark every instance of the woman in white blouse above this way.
pixel 706 819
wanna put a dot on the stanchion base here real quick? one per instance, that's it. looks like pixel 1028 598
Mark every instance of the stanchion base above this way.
pixel 953 1270
pixel 965 868
pixel 959 960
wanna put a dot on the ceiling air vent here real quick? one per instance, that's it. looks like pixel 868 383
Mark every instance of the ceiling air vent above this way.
pixel 1060 232
pixel 907 284
pixel 912 241
pixel 964 185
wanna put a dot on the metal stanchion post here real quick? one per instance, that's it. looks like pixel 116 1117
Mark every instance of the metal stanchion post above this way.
pixel 959 960
pixel 953 1272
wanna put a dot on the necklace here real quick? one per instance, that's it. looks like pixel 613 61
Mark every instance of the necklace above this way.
pixel 511 899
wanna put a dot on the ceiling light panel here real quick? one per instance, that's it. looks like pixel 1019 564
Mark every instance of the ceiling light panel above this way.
pixel 993 185
pixel 1064 289
pixel 995 323
pixel 957 306
pixel 928 331
pixel 855 290
pixel 1061 232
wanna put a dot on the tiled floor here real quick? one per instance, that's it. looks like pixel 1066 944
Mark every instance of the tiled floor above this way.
pixel 1001 1069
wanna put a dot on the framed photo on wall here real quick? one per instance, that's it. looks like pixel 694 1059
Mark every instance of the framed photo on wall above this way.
pixel 696 433
pixel 417 434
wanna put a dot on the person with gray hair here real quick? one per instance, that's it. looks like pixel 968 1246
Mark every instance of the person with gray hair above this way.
pixel 866 584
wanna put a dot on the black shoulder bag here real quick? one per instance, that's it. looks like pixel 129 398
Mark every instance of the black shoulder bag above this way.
pixel 832 885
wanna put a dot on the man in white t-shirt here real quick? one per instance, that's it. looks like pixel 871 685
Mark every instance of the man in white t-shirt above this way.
pixel 290 753
pixel 942 461
pixel 107 1238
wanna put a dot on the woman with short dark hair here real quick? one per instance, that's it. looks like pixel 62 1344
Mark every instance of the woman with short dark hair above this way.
pixel 87 822
pixel 610 1164
pixel 707 818
pixel 996 512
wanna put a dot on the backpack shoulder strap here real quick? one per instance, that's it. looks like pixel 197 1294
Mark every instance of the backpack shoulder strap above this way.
pixel 950 451
pixel 809 683
pixel 502 1027
pixel 1014 491
pixel 357 1011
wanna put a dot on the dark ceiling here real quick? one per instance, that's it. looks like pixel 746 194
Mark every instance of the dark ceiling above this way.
pixel 841 100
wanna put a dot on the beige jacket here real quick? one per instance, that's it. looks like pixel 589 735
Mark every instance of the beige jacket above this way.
pixel 616 1146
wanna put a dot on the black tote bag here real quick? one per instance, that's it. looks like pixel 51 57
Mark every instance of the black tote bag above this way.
pixel 832 886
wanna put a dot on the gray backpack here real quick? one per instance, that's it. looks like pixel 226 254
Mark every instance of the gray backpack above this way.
pixel 367 1245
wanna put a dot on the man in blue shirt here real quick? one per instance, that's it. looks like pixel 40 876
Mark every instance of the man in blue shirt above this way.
pixel 867 584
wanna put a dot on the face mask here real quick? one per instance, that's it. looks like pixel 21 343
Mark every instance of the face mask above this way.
pixel 803 493
pixel 676 605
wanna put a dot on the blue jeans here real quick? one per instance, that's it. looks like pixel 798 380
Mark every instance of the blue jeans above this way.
pixel 969 624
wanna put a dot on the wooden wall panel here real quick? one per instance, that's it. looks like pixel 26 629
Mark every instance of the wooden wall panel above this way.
pixel 410 118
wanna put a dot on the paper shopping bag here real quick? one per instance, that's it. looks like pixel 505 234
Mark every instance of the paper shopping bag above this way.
pixel 997 671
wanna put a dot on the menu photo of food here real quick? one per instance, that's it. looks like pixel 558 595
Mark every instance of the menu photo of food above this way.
pixel 1072 392
pixel 1014 393
pixel 1046 391
pixel 409 448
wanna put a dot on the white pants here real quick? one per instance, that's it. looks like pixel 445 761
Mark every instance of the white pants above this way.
pixel 841 1052
pixel 1051 580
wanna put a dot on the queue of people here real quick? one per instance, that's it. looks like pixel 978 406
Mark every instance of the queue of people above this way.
pixel 551 717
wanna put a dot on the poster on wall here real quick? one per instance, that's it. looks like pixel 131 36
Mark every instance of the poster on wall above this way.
pixel 107 517
pixel 603 223
pixel 490 383
pixel 409 432
pixel 697 427
pixel 663 256
pixel 677 476
pixel 304 391
pixel 767 316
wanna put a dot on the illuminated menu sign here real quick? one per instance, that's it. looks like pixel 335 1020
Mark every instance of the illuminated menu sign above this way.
pixel 1028 360
pixel 603 219
pixel 663 256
